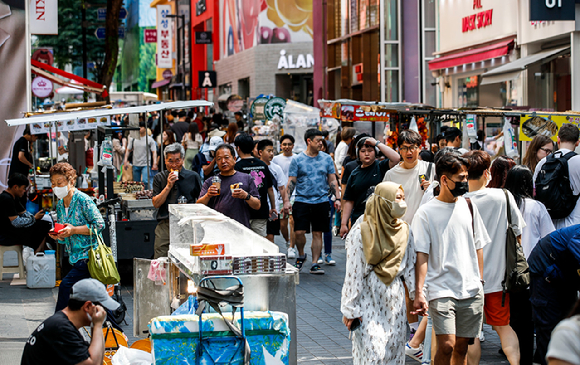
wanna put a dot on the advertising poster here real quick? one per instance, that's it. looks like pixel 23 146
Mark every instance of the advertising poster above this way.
pixel 356 113
pixel 12 79
pixel 547 125
pixel 247 23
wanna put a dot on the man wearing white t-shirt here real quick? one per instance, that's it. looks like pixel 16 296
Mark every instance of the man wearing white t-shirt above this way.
pixel 492 204
pixel 567 142
pixel 413 174
pixel 450 237
pixel 266 152
pixel 283 160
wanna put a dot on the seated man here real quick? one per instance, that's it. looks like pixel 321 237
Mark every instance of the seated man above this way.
pixel 172 186
pixel 17 226
pixel 555 281
pixel 58 340
pixel 236 194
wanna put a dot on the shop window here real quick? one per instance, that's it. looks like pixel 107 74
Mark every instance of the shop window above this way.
pixel 391 86
pixel 391 20
pixel 468 91
pixel 429 12
pixel 244 88
pixel 391 55
pixel 430 87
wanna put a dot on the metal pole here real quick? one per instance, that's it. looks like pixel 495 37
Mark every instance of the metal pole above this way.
pixel 148 159
pixel 162 147
pixel 84 37
pixel 183 57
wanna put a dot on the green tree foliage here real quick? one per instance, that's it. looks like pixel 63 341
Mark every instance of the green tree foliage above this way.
pixel 67 45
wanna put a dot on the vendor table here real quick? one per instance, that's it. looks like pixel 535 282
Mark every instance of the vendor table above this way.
pixel 194 223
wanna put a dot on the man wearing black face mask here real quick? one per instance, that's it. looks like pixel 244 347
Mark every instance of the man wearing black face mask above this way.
pixel 449 238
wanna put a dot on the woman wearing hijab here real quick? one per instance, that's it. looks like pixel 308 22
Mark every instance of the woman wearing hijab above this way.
pixel 380 255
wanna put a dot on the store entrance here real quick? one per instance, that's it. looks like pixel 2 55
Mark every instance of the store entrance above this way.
pixel 297 87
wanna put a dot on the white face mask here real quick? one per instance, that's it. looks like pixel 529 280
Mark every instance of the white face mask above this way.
pixel 60 192
pixel 398 209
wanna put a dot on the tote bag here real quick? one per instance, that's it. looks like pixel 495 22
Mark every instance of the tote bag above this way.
pixel 102 263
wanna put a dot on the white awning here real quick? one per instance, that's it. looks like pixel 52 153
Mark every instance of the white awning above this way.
pixel 513 69
pixel 95 113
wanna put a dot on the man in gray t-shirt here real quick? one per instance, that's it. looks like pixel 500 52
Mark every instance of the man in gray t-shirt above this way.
pixel 140 148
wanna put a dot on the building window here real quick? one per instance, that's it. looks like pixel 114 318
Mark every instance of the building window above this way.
pixel 390 51
pixel 429 46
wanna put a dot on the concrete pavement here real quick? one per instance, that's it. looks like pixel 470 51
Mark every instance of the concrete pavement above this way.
pixel 322 338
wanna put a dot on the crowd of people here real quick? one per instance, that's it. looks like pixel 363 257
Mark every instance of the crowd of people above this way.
pixel 426 229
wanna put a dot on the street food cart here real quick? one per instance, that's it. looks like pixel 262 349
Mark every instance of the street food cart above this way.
pixel 268 280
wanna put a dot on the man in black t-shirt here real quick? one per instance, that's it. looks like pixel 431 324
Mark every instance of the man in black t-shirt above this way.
pixel 17 226
pixel 364 178
pixel 262 179
pixel 21 158
pixel 58 341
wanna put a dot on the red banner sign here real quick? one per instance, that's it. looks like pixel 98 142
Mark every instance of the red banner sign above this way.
pixel 150 35
pixel 358 113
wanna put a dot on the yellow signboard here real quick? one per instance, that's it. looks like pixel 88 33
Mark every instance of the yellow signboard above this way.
pixel 547 125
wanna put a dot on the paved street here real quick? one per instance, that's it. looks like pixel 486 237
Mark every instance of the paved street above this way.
pixel 322 338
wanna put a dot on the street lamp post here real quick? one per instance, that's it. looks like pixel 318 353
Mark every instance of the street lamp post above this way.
pixel 180 51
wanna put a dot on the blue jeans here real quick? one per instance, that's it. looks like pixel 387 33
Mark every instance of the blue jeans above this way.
pixel 140 174
pixel 79 272
pixel 428 340
pixel 328 235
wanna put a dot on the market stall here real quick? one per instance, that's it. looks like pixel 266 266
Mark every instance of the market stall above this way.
pixel 205 244
pixel 130 221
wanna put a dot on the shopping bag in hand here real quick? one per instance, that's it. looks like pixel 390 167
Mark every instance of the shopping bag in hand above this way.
pixel 102 263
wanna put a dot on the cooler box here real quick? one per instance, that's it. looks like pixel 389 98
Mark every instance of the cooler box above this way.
pixel 175 338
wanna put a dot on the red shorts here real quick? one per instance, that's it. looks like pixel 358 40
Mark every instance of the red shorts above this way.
pixel 495 314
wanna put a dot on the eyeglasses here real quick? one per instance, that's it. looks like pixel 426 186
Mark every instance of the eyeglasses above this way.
pixel 410 148
pixel 547 150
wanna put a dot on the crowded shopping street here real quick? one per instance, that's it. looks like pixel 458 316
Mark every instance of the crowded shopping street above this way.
pixel 283 182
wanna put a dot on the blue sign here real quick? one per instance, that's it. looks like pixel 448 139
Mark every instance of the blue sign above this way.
pixel 100 32
pixel 102 14
pixel 90 65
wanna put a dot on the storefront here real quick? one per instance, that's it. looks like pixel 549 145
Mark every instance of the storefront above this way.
pixel 265 52
pixel 475 37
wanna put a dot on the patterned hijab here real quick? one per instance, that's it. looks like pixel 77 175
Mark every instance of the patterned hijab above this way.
pixel 384 238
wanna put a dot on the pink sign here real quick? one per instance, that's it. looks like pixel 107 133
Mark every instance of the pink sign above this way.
pixel 150 35
pixel 41 87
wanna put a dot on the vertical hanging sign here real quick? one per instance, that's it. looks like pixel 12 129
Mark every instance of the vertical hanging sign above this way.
pixel 43 16
pixel 164 37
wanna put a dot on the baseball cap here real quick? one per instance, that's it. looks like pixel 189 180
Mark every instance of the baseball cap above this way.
pixel 214 142
pixel 93 290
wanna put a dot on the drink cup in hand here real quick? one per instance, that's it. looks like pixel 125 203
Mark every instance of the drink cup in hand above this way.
pixel 217 182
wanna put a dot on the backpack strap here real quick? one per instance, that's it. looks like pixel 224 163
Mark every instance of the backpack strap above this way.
pixel 509 211
pixel 429 168
pixel 468 200
pixel 509 217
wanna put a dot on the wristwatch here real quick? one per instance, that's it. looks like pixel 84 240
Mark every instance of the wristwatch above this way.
pixel 248 197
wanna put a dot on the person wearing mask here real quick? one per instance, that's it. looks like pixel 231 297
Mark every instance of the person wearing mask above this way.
pixel 540 147
pixel 347 136
pixel 58 339
pixel 494 208
pixel 17 226
pixel 538 225
pixel 452 273
pixel 83 222
pixel 567 142
pixel 499 170
pixel 380 254
pixel 453 138
pixel 174 185
pixel 266 151
pixel 21 161
pixel 364 178
pixel 181 127
pixel 554 267
pixel 192 142
pixel 140 148
pixel 260 172
pixel 237 194
pixel 286 221
pixel 312 173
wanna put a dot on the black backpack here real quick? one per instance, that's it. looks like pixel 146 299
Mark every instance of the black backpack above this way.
pixel 553 187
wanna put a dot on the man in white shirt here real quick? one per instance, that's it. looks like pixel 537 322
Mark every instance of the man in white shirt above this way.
pixel 567 142
pixel 413 174
pixel 283 160
pixel 492 204
pixel 450 237
pixel 346 135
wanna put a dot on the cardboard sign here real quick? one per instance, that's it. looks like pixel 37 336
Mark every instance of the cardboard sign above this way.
pixel 207 249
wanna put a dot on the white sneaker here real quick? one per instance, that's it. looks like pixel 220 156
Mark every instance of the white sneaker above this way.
pixel 320 261
pixel 292 253
pixel 416 354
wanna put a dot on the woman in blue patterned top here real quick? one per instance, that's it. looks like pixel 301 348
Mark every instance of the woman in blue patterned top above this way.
pixel 80 215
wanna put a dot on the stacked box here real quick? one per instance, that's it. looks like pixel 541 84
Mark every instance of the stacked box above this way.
pixel 175 339
pixel 263 264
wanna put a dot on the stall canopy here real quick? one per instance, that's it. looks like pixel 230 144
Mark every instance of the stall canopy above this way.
pixel 83 84
pixel 513 69
pixel 94 113
pixel 473 55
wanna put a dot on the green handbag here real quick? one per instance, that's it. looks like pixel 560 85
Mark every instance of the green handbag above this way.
pixel 102 263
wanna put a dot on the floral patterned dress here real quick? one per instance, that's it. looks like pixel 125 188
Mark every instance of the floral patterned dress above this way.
pixel 381 337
